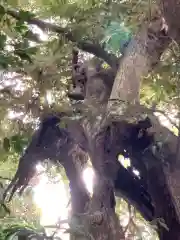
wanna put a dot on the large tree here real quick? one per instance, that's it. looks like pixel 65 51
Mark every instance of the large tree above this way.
pixel 110 118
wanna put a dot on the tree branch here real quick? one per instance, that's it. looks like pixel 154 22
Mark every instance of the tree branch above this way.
pixel 141 55
pixel 86 46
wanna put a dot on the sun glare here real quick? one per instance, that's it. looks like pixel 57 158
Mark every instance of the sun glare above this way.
pixel 52 199
pixel 88 177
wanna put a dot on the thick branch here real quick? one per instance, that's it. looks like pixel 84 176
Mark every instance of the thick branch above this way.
pixel 86 46
pixel 58 145
pixel 141 55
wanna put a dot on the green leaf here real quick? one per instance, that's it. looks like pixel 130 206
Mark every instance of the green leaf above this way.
pixel 3 62
pixel 23 55
pixel 18 143
pixel 25 15
pixel 21 27
pixel 2 12
pixel 32 50
pixel 6 144
pixel 2 41
pixel 4 210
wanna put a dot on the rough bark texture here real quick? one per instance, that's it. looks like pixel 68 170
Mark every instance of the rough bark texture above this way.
pixel 142 54
pixel 159 188
pixel 163 183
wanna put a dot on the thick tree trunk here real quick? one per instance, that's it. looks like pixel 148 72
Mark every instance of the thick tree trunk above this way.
pixel 103 194
pixel 156 176
pixel 164 183
pixel 143 52
pixel 168 177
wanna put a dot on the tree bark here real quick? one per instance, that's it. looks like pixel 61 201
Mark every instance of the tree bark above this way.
pixel 159 186
pixel 163 182
pixel 143 53
pixel 168 173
